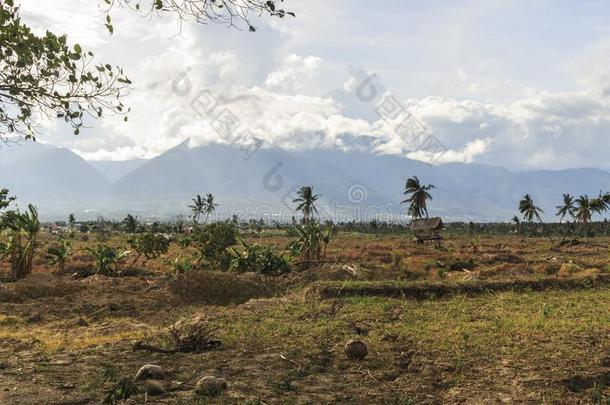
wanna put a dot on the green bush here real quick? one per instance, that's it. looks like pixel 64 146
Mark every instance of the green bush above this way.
pixel 212 242
pixel 179 265
pixel 149 245
pixel 259 259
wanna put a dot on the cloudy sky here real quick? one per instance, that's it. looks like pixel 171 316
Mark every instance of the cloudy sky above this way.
pixel 520 84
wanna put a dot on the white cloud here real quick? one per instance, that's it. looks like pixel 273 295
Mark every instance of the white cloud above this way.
pixel 288 84
pixel 464 155
pixel 293 72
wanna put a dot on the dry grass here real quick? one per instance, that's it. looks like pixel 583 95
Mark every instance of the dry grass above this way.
pixel 60 336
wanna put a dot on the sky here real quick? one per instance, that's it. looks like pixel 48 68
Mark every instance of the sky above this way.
pixel 519 84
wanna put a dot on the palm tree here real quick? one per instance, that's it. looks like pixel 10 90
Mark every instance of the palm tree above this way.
pixel 209 206
pixel 583 209
pixel 567 208
pixel 600 204
pixel 197 208
pixel 306 202
pixel 528 209
pixel 418 196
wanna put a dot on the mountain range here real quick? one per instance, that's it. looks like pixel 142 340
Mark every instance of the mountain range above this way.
pixel 262 183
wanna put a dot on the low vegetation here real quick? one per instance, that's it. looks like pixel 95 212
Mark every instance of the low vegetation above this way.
pixel 248 312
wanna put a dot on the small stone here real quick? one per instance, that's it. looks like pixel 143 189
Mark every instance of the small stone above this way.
pixel 149 372
pixel 34 318
pixel 210 386
pixel 154 388
pixel 356 350
pixel 82 322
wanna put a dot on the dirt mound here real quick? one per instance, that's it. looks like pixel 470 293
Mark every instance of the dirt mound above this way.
pixel 429 290
pixel 219 288
pixel 37 286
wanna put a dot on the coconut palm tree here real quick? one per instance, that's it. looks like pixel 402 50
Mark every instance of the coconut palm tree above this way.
pixel 197 208
pixel 529 210
pixel 306 202
pixel 209 206
pixel 418 197
pixel 599 205
pixel 583 209
pixel 567 208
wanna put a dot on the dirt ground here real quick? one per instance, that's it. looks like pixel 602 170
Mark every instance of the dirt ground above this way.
pixel 67 340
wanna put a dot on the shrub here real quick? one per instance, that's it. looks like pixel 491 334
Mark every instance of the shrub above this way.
pixel 212 242
pixel 179 265
pixel 107 259
pixel 149 245
pixel 259 259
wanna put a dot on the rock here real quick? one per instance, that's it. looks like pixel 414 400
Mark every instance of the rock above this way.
pixel 356 350
pixel 149 372
pixel 210 386
pixel 403 359
pixel 34 318
pixel 154 388
pixel 81 322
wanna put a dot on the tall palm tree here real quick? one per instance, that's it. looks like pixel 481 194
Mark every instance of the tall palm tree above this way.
pixel 197 208
pixel 583 210
pixel 567 208
pixel 529 210
pixel 209 206
pixel 600 204
pixel 306 202
pixel 418 197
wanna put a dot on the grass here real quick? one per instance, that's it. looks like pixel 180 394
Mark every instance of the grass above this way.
pixel 425 289
pixel 531 325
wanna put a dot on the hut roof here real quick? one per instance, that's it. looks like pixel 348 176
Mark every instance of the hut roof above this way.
pixel 427 224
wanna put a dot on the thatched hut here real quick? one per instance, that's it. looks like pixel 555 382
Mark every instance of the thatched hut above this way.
pixel 427 229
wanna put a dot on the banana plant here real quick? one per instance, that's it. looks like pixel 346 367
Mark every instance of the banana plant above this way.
pixel 60 254
pixel 23 231
pixel 107 258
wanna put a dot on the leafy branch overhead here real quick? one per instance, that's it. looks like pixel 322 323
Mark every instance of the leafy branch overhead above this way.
pixel 235 13
pixel 43 77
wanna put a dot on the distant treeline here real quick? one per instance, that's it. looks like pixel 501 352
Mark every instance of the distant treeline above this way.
pixel 601 228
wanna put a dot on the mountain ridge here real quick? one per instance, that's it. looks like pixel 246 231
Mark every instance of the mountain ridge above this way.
pixel 353 184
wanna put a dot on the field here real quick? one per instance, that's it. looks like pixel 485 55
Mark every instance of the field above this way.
pixel 485 319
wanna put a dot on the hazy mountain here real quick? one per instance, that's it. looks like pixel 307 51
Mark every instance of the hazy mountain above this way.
pixel 55 179
pixel 266 182
pixel 114 170
pixel 353 184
